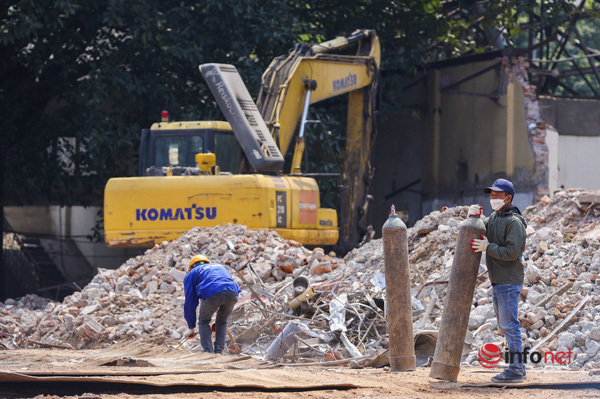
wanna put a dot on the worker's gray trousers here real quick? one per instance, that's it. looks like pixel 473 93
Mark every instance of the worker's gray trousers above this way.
pixel 222 303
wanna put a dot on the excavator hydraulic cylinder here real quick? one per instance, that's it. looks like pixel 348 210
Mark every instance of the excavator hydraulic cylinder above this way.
pixel 398 297
pixel 457 305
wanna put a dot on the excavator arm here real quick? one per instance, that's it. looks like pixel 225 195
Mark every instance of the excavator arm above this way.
pixel 310 74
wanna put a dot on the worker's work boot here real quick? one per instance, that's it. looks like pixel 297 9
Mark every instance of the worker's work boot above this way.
pixel 509 376
pixel 220 335
pixel 205 337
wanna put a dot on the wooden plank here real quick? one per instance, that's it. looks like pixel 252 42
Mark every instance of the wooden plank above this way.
pixel 266 379
pixel 558 292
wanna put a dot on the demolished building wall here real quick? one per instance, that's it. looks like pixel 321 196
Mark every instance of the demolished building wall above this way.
pixel 478 119
pixel 490 127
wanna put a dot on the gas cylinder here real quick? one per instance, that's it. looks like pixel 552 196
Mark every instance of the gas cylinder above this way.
pixel 457 304
pixel 397 291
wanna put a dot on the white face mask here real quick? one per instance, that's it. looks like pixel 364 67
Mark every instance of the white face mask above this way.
pixel 497 203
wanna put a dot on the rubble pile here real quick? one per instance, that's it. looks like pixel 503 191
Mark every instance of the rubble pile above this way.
pixel 560 307
pixel 343 318
pixel 143 299
pixel 431 244
pixel 19 318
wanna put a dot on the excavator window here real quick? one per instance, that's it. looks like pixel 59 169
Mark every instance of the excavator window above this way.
pixel 228 152
pixel 177 150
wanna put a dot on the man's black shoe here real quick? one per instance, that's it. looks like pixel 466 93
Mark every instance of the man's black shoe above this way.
pixel 508 376
pixel 524 373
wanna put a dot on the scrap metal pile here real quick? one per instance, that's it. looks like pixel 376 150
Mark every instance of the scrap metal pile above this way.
pixel 305 306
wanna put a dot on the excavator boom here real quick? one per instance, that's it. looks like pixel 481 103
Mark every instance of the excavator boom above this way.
pixel 283 85
pixel 310 74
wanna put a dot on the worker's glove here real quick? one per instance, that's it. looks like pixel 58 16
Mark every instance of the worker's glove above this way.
pixel 474 210
pixel 189 333
pixel 479 245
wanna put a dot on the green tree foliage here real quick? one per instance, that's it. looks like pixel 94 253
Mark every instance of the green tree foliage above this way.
pixel 81 78
pixel 99 71
pixel 564 28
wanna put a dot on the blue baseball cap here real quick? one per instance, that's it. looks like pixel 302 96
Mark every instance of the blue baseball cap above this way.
pixel 501 185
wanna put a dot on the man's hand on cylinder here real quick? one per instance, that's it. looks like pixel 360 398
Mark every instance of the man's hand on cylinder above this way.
pixel 478 245
pixel 475 210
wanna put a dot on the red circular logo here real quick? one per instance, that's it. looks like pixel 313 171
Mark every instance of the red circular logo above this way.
pixel 489 355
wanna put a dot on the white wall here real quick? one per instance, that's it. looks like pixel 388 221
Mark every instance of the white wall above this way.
pixel 579 162
pixel 552 141
pixel 75 223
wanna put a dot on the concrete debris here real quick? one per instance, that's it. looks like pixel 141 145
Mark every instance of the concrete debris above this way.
pixel 341 315
pixel 562 265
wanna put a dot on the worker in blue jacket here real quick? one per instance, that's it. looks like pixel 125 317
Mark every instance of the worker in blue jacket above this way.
pixel 212 284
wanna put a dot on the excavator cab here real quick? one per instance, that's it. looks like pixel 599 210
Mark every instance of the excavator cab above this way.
pixel 173 146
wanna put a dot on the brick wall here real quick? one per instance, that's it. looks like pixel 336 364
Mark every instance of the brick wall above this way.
pixel 516 68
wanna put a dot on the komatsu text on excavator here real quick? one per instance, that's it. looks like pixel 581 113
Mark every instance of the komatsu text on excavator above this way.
pixel 216 172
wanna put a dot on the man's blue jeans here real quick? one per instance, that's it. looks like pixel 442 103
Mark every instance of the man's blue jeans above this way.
pixel 506 305
pixel 222 303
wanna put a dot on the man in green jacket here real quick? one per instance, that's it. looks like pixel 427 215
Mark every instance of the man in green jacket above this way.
pixel 504 244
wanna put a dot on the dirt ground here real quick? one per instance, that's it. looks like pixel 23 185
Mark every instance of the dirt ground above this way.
pixel 169 373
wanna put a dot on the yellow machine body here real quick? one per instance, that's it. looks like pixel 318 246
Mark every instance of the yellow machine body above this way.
pixel 142 211
pixel 161 205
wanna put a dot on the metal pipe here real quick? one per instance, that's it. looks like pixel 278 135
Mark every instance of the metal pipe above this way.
pixel 457 304
pixel 303 297
pixel 283 342
pixel 358 36
pixel 398 299
pixel 310 85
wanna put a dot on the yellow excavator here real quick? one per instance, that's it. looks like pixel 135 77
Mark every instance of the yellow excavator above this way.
pixel 206 173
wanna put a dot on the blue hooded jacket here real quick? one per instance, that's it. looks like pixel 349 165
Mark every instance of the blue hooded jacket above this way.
pixel 201 283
